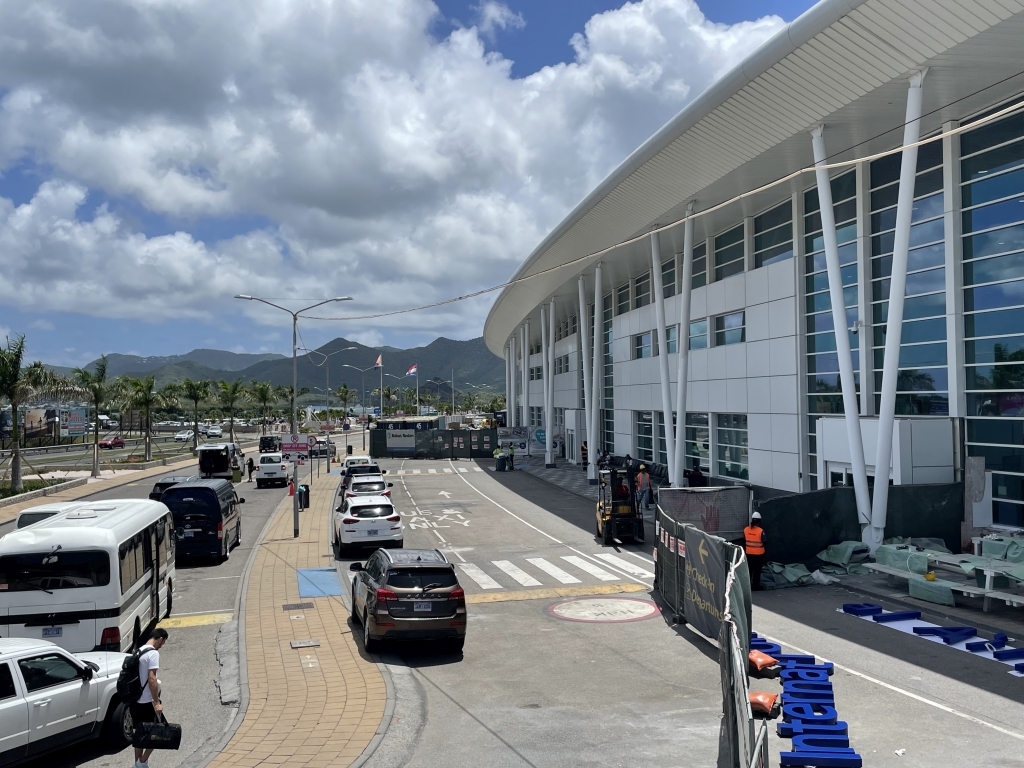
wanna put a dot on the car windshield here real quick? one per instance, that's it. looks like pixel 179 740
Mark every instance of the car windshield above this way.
pixel 214 460
pixel 364 469
pixel 270 459
pixel 61 569
pixel 190 502
pixel 30 518
pixel 419 578
pixel 371 511
pixel 371 487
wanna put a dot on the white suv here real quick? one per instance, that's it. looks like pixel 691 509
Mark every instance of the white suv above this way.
pixel 50 698
pixel 272 469
pixel 366 521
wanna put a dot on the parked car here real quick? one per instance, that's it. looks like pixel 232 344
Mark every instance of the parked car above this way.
pixel 52 698
pixel 164 483
pixel 184 436
pixel 323 448
pixel 214 431
pixel 270 444
pixel 204 429
pixel 368 485
pixel 272 469
pixel 360 469
pixel 363 520
pixel 207 520
pixel 112 442
pixel 408 594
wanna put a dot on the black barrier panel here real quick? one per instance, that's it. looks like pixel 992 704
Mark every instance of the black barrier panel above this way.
pixel 460 441
pixel 799 526
pixel 482 443
pixel 378 444
pixel 705 582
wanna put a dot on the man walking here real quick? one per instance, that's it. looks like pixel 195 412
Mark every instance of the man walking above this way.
pixel 148 706
pixel 511 455
pixel 250 465
pixel 753 536
pixel 643 486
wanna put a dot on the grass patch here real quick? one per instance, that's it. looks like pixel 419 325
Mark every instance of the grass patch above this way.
pixel 30 485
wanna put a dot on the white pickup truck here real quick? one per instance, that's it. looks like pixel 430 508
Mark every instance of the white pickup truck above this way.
pixel 272 469
pixel 50 698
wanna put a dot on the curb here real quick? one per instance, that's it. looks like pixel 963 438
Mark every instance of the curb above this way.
pixel 243 667
pixel 67 485
pixel 385 721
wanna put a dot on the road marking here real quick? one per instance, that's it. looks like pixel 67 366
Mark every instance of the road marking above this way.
pixel 553 570
pixel 516 573
pixel 463 469
pixel 643 558
pixel 626 566
pixel 590 568
pixel 552 592
pixel 213 578
pixel 177 622
pixel 477 469
pixel 448 471
pixel 432 471
pixel 909 694
pixel 439 535
pixel 417 471
pixel 476 574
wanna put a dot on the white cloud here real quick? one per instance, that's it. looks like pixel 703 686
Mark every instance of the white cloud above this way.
pixel 393 166
pixel 494 16
pixel 42 325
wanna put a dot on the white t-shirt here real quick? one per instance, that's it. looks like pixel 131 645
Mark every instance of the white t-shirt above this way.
pixel 149 660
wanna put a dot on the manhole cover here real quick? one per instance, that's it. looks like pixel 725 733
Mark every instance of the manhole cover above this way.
pixel 604 609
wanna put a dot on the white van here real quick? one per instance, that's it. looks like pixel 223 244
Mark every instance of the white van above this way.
pixel 92 577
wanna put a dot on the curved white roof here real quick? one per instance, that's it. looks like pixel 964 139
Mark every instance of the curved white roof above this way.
pixel 843 63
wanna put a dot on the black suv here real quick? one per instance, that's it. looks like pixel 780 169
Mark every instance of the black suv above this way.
pixel 270 444
pixel 164 483
pixel 408 594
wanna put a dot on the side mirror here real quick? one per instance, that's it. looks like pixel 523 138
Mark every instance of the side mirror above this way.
pixel 241 501
pixel 383 471
pixel 356 567
pixel 391 485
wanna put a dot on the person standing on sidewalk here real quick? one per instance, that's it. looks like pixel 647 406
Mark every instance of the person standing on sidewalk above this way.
pixel 146 709
pixel 584 455
pixel 250 465
pixel 643 486
pixel 511 455
pixel 753 536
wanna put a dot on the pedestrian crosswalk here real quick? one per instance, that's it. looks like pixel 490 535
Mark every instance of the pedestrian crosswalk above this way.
pixel 540 571
pixel 444 471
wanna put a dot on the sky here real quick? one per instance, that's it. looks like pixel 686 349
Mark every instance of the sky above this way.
pixel 158 157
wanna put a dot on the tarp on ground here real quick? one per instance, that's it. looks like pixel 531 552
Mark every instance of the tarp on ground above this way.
pixel 1003 548
pixel 782 575
pixel 903 557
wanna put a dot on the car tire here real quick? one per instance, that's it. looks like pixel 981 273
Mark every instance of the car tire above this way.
pixel 456 646
pixel 238 534
pixel 354 612
pixel 119 726
pixel 369 644
pixel 259 485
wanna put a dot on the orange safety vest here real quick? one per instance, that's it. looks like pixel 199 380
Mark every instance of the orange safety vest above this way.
pixel 752 534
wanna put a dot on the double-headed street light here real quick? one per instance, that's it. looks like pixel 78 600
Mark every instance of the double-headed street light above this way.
pixel 362 393
pixel 295 381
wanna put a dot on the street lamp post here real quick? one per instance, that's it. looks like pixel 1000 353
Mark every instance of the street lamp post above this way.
pixel 362 393
pixel 295 385
pixel 327 392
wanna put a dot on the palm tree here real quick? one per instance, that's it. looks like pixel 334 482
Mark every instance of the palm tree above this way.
pixel 262 393
pixel 143 396
pixel 344 394
pixel 98 389
pixel 21 385
pixel 195 392
pixel 229 394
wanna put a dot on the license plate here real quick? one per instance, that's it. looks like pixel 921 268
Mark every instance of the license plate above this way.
pixel 373 532
pixel 189 534
pixel 53 631
pixel 421 606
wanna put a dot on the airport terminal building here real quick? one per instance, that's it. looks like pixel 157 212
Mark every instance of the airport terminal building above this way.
pixel 707 257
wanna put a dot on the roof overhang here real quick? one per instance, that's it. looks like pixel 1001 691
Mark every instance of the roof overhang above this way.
pixel 843 63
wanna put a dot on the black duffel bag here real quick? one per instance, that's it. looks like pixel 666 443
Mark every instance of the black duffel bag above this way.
pixel 158 735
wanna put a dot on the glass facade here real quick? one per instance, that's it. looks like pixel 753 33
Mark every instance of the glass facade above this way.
pixel 608 374
pixel 700 265
pixel 642 291
pixel 699 334
pixel 992 196
pixel 662 447
pixel 773 235
pixel 698 442
pixel 922 385
pixel 644 435
pixel 824 391
pixel 668 278
pixel 731 438
pixel 729 253
pixel 730 329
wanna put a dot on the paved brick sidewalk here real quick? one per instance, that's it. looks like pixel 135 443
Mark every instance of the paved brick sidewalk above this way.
pixel 313 707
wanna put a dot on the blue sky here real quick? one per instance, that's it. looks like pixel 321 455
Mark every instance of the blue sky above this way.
pixel 392 156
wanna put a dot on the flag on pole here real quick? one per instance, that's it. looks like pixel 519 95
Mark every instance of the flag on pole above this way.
pixel 411 371
pixel 378 363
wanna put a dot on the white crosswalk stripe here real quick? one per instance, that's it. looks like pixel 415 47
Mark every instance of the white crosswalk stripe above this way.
pixel 476 574
pixel 417 471
pixel 553 570
pixel 516 573
pixel 447 471
pixel 588 567
pixel 463 469
pixel 625 565
pixel 477 469
pixel 432 471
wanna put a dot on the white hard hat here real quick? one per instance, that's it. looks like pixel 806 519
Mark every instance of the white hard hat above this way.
pixel 756 516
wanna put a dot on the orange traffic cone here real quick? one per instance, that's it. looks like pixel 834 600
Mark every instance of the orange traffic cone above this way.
pixel 291 488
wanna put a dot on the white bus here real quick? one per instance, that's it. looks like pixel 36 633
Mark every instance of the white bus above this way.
pixel 93 577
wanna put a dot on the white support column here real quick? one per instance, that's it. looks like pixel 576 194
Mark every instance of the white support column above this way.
pixel 510 405
pixel 510 363
pixel 597 443
pixel 683 359
pixel 835 290
pixel 549 390
pixel 588 374
pixel 894 321
pixel 526 343
pixel 666 394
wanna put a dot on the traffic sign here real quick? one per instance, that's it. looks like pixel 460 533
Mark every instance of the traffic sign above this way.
pixel 312 441
pixel 376 411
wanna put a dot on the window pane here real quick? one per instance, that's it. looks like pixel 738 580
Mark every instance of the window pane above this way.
pixel 918 380
pixel 1000 350
pixel 993 242
pixel 994 323
pixel 996 404
pixel 993 296
pixel 995 377
pixel 780 214
pixel 990 270
pixel 996 188
pixel 995 431
pixel 45 671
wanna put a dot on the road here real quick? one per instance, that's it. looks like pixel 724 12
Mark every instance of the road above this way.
pixel 205 596
pixel 532 688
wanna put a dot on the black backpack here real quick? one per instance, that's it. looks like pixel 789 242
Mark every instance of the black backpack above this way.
pixel 129 687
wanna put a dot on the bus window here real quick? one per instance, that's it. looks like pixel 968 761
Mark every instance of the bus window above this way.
pixel 57 570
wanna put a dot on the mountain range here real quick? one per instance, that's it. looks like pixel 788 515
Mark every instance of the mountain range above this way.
pixel 470 360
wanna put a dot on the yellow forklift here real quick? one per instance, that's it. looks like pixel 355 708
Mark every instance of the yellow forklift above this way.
pixel 618 514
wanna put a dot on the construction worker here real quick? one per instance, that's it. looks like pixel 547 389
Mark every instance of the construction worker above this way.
pixel 643 486
pixel 753 536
